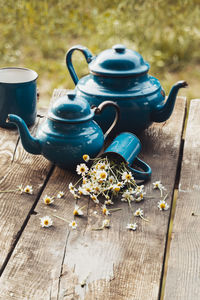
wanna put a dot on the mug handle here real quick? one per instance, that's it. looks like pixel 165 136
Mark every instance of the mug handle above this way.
pixel 146 174
pixel 100 108
pixel 88 56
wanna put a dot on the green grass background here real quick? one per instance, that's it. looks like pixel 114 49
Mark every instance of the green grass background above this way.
pixel 37 34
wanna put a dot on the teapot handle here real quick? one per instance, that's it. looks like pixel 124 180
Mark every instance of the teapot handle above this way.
pixel 98 110
pixel 88 56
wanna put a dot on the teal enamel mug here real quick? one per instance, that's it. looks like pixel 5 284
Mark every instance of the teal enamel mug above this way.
pixel 125 148
pixel 18 95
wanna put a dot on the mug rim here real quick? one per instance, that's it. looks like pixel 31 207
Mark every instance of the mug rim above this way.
pixel 35 75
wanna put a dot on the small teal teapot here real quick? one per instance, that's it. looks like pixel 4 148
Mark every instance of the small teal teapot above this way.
pixel 68 132
pixel 121 75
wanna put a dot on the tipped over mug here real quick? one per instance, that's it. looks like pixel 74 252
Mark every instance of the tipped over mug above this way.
pixel 125 148
pixel 18 95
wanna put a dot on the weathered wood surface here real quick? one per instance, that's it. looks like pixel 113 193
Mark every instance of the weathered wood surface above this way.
pixel 17 167
pixel 115 263
pixel 183 274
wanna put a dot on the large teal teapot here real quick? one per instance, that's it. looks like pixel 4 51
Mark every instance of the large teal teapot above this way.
pixel 68 132
pixel 121 75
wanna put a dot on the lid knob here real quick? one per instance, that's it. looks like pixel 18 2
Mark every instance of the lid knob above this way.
pixel 119 48
pixel 71 95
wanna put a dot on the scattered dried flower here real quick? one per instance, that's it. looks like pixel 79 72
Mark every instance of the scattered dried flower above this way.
pixel 60 194
pixel 105 211
pixel 138 213
pixel 106 223
pixel 132 226
pixel 46 221
pixel 78 211
pixel 162 205
pixel 28 189
pixel 73 224
pixel 48 200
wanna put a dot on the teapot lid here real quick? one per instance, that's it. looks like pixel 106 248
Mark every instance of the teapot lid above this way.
pixel 70 109
pixel 119 62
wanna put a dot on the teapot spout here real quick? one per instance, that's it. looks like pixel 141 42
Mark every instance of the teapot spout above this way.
pixel 164 111
pixel 30 144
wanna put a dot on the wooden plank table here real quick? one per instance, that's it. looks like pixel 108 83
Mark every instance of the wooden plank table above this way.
pixel 53 263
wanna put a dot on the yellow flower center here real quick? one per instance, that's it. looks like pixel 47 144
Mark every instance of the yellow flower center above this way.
pixel 102 167
pixel 162 205
pixel 128 176
pixel 73 223
pixel 104 210
pixel 85 157
pixel 103 175
pixel 117 189
pixel 82 169
pixel 46 222
pixel 47 200
pixel 75 212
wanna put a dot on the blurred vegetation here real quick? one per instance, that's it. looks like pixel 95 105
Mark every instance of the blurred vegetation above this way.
pixel 37 34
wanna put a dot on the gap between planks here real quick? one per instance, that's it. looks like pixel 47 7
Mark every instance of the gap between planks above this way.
pixel 173 205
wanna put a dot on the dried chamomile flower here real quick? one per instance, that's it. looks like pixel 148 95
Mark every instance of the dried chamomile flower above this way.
pixel 20 188
pixel 28 189
pixel 82 169
pixel 73 224
pixel 162 205
pixel 106 223
pixel 72 187
pixel 94 198
pixel 139 189
pixel 86 157
pixel 105 211
pixel 140 197
pixel 46 221
pixel 138 213
pixel 78 211
pixel 158 185
pixel 127 196
pixel 102 175
pixel 108 202
pixel 132 226
pixel 48 200
pixel 127 176
pixel 60 194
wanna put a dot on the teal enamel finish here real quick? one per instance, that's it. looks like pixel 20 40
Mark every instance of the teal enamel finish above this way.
pixel 66 146
pixel 125 147
pixel 18 98
pixel 137 99
pixel 67 133
pixel 60 145
pixel 71 109
pixel 121 75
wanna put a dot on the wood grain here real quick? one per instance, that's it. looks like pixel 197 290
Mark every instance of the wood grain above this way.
pixel 183 275
pixel 21 168
pixel 115 263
